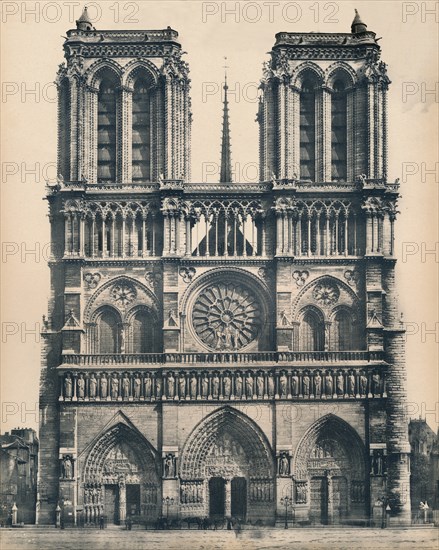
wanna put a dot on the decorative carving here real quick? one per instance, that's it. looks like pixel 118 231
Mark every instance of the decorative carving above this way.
pixel 352 277
pixel 226 316
pixel 172 320
pixel 187 273
pixel 266 274
pixel 191 492
pixel 300 277
pixel 285 321
pixel 91 280
pixel 301 492
pixel 326 294
pixel 123 294
pixel 153 280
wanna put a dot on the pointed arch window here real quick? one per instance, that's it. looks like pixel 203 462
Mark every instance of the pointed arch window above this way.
pixel 141 127
pixel 312 332
pixel 343 329
pixel 107 131
pixel 109 332
pixel 144 333
pixel 307 131
pixel 339 132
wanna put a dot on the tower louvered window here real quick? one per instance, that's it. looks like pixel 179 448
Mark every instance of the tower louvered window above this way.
pixel 307 132
pixel 141 132
pixel 107 132
pixel 338 132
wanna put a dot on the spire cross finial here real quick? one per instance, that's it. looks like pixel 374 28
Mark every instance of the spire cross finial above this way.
pixel 225 67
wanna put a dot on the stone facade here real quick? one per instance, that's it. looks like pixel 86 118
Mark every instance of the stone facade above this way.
pixel 211 349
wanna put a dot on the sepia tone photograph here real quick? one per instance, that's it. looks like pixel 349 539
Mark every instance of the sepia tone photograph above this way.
pixel 219 299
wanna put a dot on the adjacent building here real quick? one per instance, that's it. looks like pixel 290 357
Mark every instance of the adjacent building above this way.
pixel 211 349
pixel 424 481
pixel 18 474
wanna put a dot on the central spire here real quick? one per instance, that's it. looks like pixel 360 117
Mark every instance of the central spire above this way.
pixel 226 159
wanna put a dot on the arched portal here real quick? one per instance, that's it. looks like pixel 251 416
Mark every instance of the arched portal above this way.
pixel 330 475
pixel 227 469
pixel 120 477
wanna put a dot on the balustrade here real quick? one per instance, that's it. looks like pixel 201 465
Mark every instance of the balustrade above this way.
pixel 231 357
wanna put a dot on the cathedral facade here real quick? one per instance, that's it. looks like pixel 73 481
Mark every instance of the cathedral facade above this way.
pixel 231 349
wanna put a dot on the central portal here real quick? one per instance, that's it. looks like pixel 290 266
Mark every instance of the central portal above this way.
pixel 217 497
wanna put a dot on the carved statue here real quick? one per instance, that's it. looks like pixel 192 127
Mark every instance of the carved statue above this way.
pixel 351 384
pixel 81 387
pixel 249 385
pixel 301 493
pixel 205 386
pixel 260 385
pixel 238 385
pixel 295 383
pixel 306 384
pixel 182 385
pixel 236 339
pixel 227 333
pixel 227 383
pixel 147 385
pixel 137 386
pixel 376 383
pixel 317 384
pixel 193 386
pixel 340 383
pixel 125 387
pixel 169 465
pixel 171 385
pixel 68 387
pixel 92 385
pixel 122 340
pixel 363 384
pixel 122 495
pixel 270 385
pixel 158 386
pixel 283 384
pixel 114 387
pixel 215 386
pixel 67 467
pixel 329 384
pixel 284 464
pixel 104 386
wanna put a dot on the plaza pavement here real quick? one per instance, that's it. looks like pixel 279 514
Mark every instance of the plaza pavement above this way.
pixel 41 538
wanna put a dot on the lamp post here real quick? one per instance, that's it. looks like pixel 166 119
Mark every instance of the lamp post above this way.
pixel 286 501
pixel 168 501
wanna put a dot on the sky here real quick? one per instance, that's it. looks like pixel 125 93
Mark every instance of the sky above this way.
pixel 31 39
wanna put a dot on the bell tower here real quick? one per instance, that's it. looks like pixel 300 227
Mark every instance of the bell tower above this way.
pixel 124 108
pixel 323 143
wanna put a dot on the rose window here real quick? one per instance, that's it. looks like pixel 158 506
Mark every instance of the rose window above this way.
pixel 123 294
pixel 226 316
pixel 326 294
